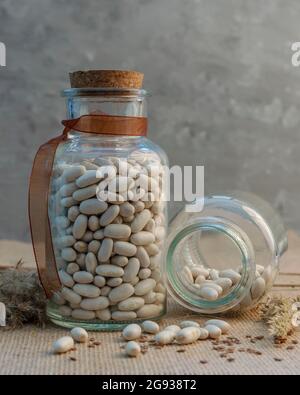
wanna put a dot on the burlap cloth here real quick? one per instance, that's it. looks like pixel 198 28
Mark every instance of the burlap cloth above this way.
pixel 26 351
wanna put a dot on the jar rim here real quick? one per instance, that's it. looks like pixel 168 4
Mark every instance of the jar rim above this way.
pixel 184 296
pixel 84 92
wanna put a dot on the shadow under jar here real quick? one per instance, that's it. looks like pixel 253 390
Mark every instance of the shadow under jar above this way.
pixel 108 218
pixel 225 258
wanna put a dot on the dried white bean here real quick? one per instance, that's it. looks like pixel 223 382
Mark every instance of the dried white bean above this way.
pixel 132 332
pixel 73 213
pixel 214 274
pixel 204 334
pixel 114 282
pixel 186 324
pixel 99 281
pixel 208 293
pixel 68 202
pixel 73 172
pixel 151 249
pixel 126 209
pixel 88 236
pixel 105 290
pixel 109 215
pixel 232 274
pixel 89 178
pixel 120 293
pixel 80 246
pixel 107 270
pixel 140 221
pixel 188 335
pixel 124 248
pixel 143 257
pixel 144 286
pixel 131 270
pixel 214 331
pixel 144 274
pixel 93 223
pixel 67 189
pixel 65 279
pixel 65 241
pixel 223 325
pixel 164 337
pixel 116 231
pixel 258 288
pixel 105 250
pixel 80 226
pixel 62 345
pixel 71 296
pixel 80 314
pixel 131 304
pixel 93 206
pixel 132 349
pixel 142 238
pixel 104 315
pixel 211 284
pixel 91 262
pixel 200 280
pixel 224 283
pixel 57 298
pixel 149 311
pixel 65 311
pixel 199 271
pixel 83 277
pixel 123 315
pixel 85 193
pixel 119 260
pixel 173 328
pixel 87 290
pixel 150 327
pixel 94 246
pixel 80 335
pixel 99 234
pixel 68 254
pixel 99 303
pixel 150 297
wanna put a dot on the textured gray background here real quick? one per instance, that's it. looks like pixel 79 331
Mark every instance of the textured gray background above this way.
pixel 224 91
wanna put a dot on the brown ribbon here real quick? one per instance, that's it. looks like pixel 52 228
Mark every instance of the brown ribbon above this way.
pixel 40 183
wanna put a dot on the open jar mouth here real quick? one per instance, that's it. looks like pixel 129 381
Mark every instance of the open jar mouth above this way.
pixel 118 92
pixel 232 249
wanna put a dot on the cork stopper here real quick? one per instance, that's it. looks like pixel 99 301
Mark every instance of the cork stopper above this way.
pixel 126 79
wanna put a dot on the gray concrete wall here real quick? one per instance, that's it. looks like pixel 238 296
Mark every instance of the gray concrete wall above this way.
pixel 224 91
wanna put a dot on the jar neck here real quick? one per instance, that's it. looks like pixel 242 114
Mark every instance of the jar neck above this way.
pixel 184 248
pixel 117 102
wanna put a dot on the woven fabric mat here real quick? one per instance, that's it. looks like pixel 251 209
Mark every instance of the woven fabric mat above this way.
pixel 27 350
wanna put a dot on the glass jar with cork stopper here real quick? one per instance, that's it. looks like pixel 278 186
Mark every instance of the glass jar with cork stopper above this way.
pixel 97 213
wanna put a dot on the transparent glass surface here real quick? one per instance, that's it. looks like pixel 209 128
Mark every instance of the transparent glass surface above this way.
pixel 226 257
pixel 108 219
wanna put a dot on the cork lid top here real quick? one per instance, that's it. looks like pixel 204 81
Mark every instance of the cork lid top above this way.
pixel 120 79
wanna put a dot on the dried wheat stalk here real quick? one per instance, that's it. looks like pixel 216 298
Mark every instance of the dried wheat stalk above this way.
pixel 277 313
pixel 23 296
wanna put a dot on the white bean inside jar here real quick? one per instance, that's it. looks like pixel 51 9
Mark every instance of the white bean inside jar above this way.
pixel 108 238
pixel 214 270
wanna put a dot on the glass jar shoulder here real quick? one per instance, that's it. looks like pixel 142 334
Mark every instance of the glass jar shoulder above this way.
pixel 89 146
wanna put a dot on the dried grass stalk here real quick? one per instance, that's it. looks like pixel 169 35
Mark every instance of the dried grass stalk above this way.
pixel 277 312
pixel 23 296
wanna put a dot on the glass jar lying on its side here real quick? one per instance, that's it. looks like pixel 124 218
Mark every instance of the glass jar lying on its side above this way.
pixel 226 257
pixel 107 216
